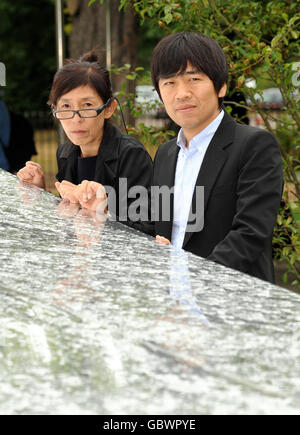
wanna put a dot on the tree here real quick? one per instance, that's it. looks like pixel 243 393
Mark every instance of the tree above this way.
pixel 88 32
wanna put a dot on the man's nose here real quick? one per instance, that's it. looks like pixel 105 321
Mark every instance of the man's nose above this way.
pixel 183 91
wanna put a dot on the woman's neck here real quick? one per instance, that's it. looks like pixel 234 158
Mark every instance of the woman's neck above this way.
pixel 91 149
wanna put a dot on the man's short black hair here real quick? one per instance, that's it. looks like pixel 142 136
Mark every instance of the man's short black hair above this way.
pixel 172 53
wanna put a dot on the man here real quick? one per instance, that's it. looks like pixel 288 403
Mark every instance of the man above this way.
pixel 239 166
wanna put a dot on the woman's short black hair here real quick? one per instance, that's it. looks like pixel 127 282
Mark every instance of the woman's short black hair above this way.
pixel 172 53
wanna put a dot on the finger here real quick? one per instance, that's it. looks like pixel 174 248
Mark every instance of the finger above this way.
pixel 92 190
pixel 33 164
pixel 29 171
pixel 62 191
pixel 24 175
pixel 57 185
pixel 32 171
pixel 39 171
pixel 66 194
pixel 68 183
pixel 162 240
pixel 98 189
pixel 84 191
pixel 20 174
pixel 25 179
pixel 71 197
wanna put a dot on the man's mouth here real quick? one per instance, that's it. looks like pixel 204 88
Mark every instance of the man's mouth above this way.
pixel 185 108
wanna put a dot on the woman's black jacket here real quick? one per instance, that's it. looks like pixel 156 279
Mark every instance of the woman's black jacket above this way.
pixel 122 163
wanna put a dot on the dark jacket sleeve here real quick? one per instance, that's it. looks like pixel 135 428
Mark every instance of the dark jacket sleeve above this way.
pixel 259 191
pixel 21 146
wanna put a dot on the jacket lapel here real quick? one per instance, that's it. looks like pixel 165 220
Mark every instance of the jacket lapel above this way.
pixel 213 162
pixel 106 165
pixel 167 178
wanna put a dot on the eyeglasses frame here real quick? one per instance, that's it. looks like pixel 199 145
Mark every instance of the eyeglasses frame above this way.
pixel 96 109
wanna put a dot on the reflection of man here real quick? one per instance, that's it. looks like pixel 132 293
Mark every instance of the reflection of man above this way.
pixel 239 166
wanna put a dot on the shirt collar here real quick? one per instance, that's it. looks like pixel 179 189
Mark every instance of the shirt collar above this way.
pixel 196 142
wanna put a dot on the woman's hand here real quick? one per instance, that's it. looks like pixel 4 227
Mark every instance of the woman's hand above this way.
pixel 67 191
pixel 32 173
pixel 90 195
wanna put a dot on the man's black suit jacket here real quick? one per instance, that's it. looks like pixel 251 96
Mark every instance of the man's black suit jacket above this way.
pixel 242 178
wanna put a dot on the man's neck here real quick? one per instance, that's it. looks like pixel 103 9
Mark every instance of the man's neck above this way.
pixel 189 134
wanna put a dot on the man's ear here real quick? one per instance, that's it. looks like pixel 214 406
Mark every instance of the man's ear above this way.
pixel 222 91
pixel 110 109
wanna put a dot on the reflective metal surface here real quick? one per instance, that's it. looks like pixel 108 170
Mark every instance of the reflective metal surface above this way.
pixel 101 319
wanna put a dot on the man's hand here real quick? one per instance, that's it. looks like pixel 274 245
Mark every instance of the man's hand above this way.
pixel 162 240
pixel 32 173
pixel 67 191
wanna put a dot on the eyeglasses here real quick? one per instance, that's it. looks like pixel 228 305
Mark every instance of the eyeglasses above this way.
pixel 82 113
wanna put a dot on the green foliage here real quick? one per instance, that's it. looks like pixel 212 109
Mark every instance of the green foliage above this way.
pixel 149 34
pixel 286 241
pixel 149 136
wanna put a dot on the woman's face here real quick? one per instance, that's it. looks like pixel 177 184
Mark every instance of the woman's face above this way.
pixel 85 132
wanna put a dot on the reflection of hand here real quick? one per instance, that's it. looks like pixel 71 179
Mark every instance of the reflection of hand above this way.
pixel 88 227
pixel 66 209
pixel 67 191
pixel 162 240
pixel 29 193
pixel 90 195
pixel 32 173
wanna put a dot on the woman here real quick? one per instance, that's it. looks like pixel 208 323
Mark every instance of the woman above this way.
pixel 81 99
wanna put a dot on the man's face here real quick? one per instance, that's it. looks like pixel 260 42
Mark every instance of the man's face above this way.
pixel 190 100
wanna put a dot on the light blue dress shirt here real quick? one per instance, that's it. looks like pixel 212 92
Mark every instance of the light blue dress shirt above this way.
pixel 188 165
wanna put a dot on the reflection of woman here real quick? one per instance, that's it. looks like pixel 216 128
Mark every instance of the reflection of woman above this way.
pixel 81 99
